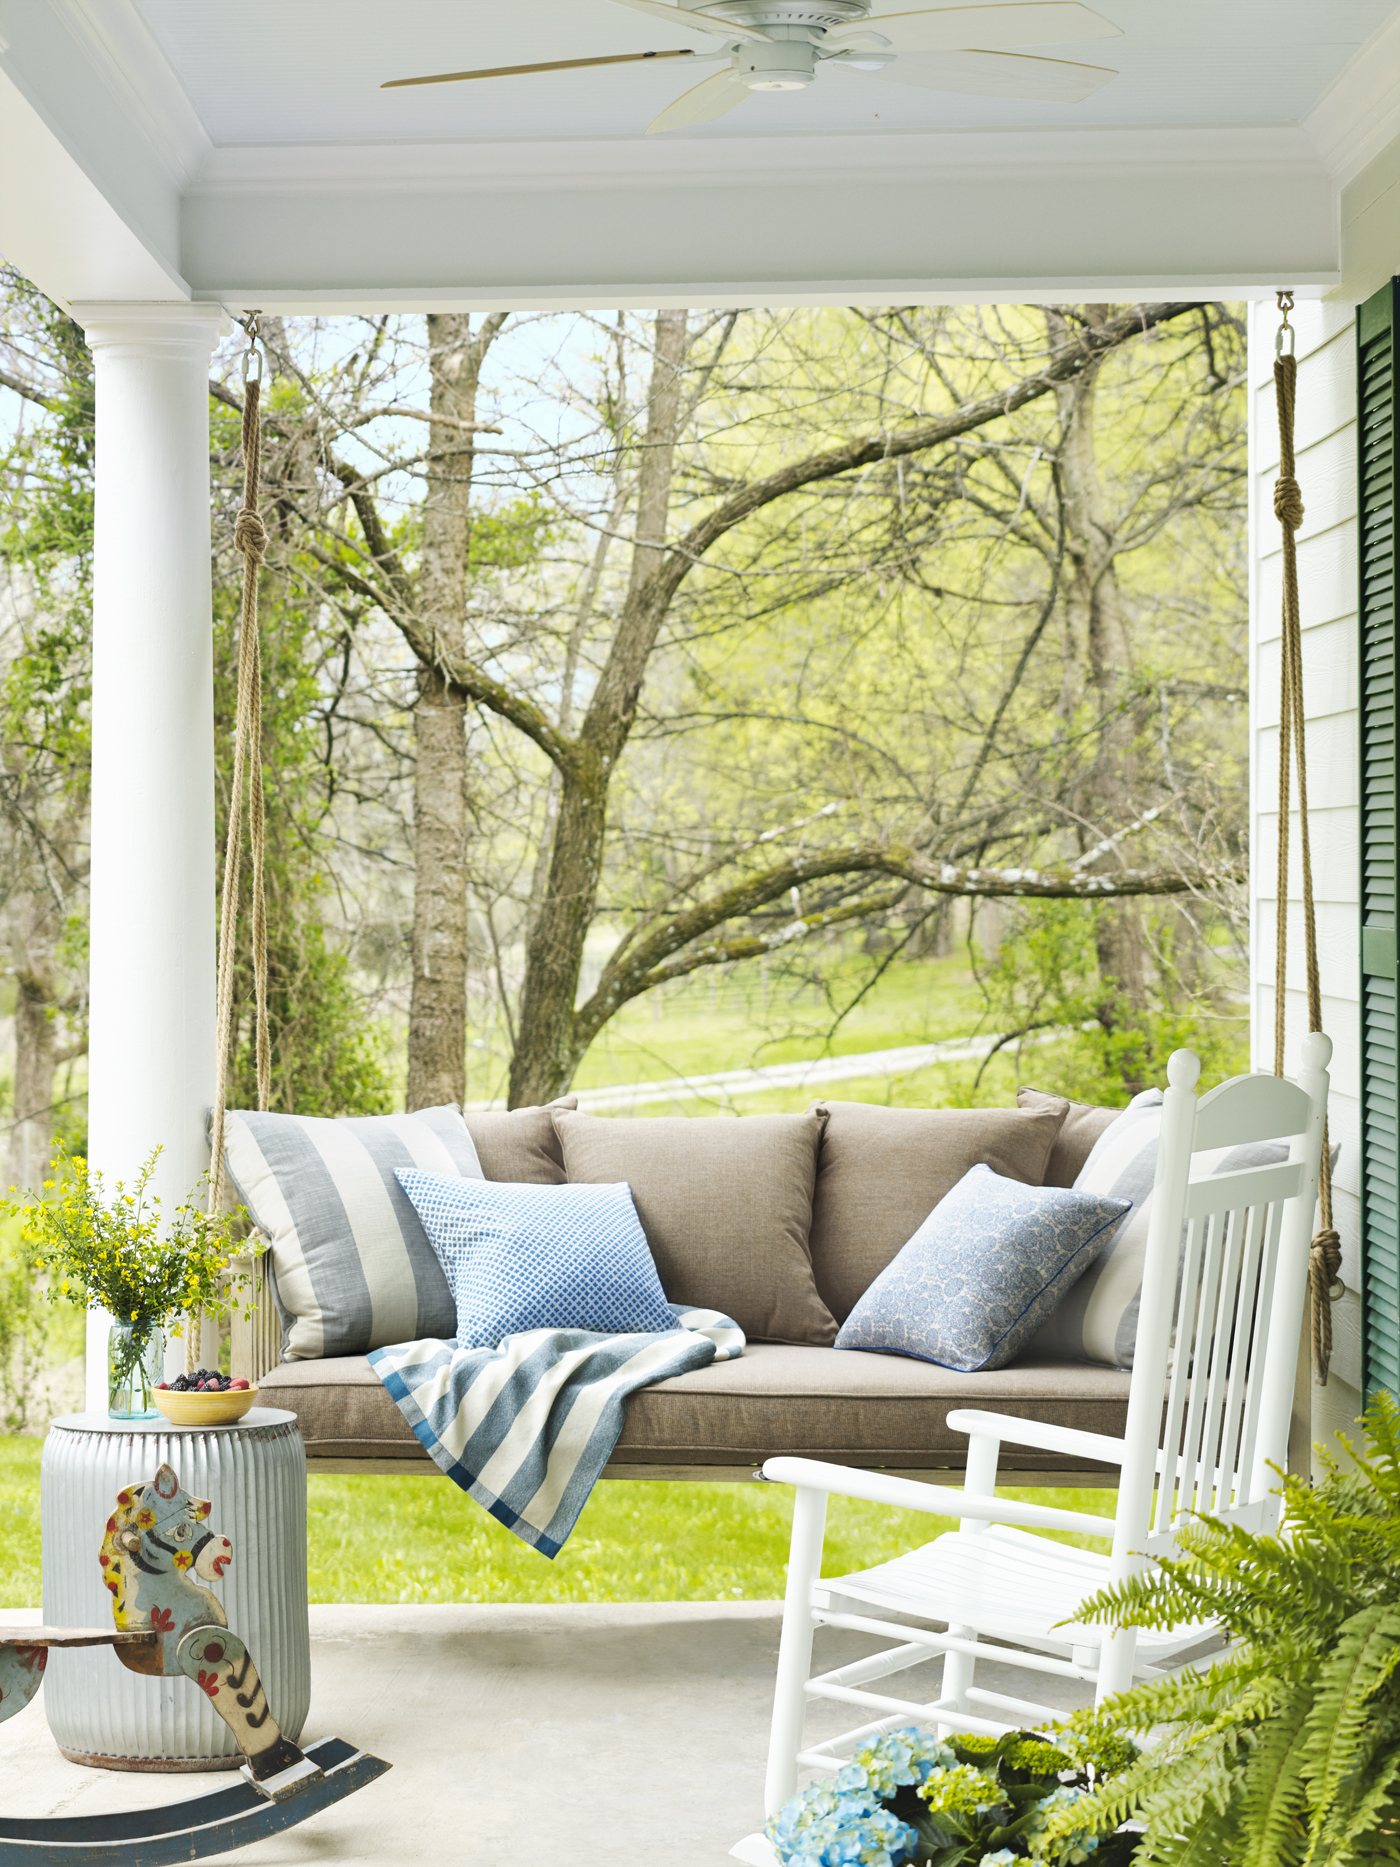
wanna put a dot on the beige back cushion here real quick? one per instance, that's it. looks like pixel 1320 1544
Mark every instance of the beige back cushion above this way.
pixel 520 1144
pixel 726 1205
pixel 1083 1125
pixel 882 1172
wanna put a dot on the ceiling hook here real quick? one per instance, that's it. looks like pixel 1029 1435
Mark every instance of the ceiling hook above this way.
pixel 1285 305
pixel 254 352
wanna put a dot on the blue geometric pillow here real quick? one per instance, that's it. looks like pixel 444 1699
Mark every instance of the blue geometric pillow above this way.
pixel 540 1257
pixel 982 1273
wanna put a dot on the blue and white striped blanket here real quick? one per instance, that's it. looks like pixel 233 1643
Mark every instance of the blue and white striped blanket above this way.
pixel 527 1428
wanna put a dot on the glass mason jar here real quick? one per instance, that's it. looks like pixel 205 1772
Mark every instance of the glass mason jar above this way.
pixel 135 1365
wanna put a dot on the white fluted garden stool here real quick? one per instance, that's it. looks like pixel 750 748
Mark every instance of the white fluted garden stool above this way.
pixel 254 1477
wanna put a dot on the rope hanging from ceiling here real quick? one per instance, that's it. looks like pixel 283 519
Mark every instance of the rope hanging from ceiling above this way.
pixel 250 537
pixel 1325 1259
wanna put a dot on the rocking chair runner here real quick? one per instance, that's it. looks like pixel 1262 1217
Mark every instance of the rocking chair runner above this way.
pixel 1208 1418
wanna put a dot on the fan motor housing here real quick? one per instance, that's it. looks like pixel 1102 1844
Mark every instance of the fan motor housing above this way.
pixel 790 65
pixel 812 15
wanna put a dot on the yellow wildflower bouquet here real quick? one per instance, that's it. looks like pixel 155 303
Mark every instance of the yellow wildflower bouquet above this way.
pixel 121 1254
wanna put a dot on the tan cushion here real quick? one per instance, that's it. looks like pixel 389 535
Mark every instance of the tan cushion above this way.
pixel 1083 1125
pixel 726 1205
pixel 882 1171
pixel 519 1144
pixel 839 1404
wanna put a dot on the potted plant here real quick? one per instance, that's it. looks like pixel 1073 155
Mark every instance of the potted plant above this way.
pixel 1286 1752
pixel 961 1802
pixel 120 1255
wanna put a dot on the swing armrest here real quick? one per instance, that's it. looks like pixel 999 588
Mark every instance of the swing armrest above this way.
pixel 934 1499
pixel 1042 1435
pixel 255 1329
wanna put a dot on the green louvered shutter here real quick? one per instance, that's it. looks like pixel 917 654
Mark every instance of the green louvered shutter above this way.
pixel 1377 324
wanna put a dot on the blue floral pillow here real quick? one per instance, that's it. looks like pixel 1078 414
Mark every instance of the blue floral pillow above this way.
pixel 982 1273
pixel 540 1257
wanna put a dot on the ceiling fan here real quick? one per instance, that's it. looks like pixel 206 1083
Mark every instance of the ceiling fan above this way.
pixel 778 45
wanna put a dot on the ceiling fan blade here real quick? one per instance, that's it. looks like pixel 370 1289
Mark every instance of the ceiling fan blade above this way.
pixel 998 74
pixel 517 71
pixel 698 22
pixel 707 101
pixel 951 29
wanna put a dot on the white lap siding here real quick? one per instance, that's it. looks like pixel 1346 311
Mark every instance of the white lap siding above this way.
pixel 1327 576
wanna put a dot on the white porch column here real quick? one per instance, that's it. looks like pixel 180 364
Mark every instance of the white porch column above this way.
pixel 151 1062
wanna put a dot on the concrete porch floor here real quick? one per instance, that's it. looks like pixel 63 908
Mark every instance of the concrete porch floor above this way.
pixel 626 1734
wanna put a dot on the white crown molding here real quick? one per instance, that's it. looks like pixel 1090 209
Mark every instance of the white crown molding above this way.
pixel 124 52
pixel 508 167
pixel 1358 115
pixel 778 294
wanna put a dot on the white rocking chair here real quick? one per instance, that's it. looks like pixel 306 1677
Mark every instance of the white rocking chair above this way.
pixel 1218 1338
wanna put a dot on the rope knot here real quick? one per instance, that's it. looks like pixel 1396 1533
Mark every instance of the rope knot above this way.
pixel 1324 1262
pixel 250 535
pixel 1288 502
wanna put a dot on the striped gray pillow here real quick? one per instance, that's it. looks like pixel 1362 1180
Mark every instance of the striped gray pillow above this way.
pixel 1098 1320
pixel 351 1264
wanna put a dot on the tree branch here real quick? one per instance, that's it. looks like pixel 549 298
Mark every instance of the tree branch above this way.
pixel 638 963
pixel 26 389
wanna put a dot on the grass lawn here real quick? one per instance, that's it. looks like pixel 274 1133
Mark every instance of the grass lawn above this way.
pixel 736 1019
pixel 419 1539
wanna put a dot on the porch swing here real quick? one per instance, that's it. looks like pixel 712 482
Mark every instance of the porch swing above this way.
pixel 1230 1259
pixel 323 1391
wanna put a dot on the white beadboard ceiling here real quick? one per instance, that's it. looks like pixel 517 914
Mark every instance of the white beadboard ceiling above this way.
pixel 308 71
pixel 245 154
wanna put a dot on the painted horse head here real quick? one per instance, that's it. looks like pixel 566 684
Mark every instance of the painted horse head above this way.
pixel 156 1552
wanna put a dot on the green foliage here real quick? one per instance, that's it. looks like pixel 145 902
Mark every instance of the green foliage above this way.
pixel 1017 1798
pixel 1286 1752
pixel 46 531
pixel 24 1336
pixel 327 1057
pixel 119 1253
pixel 1047 978
pixel 514 535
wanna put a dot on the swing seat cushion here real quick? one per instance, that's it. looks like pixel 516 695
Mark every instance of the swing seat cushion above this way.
pixel 882 1171
pixel 352 1268
pixel 1083 1124
pixel 983 1271
pixel 726 1206
pixel 853 1408
pixel 519 1145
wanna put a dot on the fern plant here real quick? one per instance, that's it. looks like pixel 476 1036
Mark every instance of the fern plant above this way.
pixel 1286 1752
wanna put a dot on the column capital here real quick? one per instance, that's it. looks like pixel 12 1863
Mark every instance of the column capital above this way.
pixel 170 326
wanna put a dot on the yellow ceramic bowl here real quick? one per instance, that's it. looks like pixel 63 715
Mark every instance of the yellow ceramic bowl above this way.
pixel 184 1409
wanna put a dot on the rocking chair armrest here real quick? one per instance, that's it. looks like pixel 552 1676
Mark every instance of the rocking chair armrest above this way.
pixel 934 1499
pixel 1041 1434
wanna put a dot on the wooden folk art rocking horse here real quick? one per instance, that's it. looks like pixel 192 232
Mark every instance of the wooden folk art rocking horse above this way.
pixel 157 1555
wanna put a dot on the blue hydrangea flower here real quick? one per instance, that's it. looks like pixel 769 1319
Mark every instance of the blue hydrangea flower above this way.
pixel 825 1827
pixel 1002 1858
pixel 899 1758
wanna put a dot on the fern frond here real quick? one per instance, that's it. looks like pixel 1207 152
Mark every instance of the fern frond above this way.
pixel 1273 1795
pixel 1366 1656
pixel 1348 1836
pixel 1189 1802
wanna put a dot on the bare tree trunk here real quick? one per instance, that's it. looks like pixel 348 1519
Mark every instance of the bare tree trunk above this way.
pixel 547 1050
pixel 437 1022
pixel 1098 630
pixel 36 1060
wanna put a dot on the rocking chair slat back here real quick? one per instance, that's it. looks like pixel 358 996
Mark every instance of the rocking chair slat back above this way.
pixel 1227 1262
